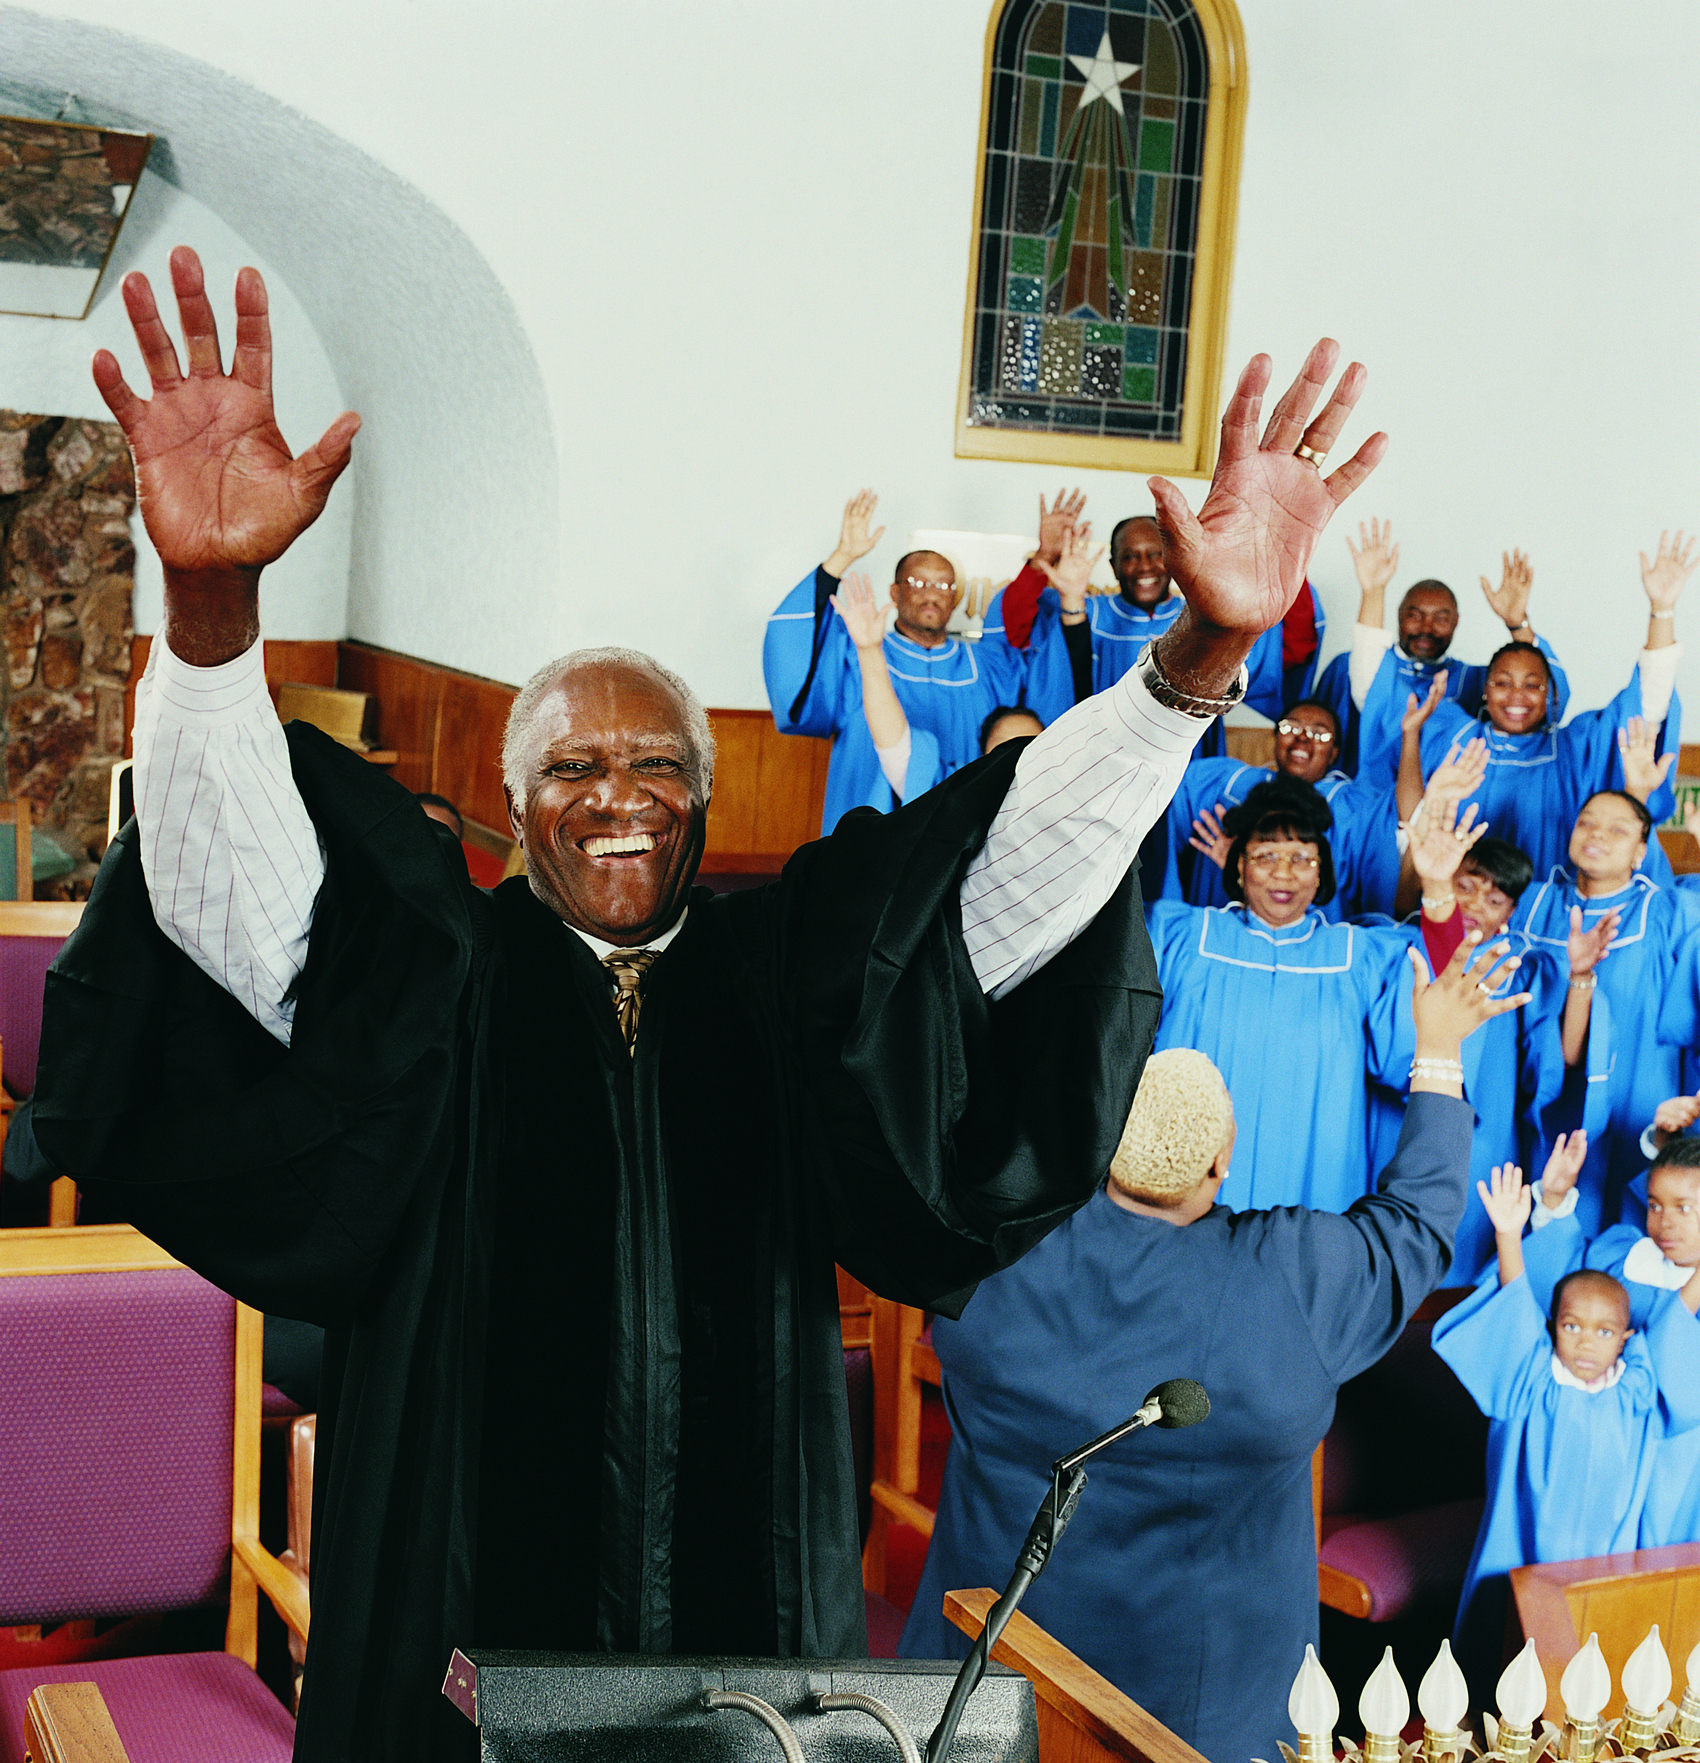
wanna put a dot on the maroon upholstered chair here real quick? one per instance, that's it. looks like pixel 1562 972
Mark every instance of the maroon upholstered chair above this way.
pixel 130 1422
pixel 30 936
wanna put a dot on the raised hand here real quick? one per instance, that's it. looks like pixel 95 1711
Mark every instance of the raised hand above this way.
pixel 1588 948
pixel 1375 557
pixel 1643 770
pixel 1667 575
pixel 220 491
pixel 1564 1163
pixel 1506 1200
pixel 1459 773
pixel 1510 600
pixel 1417 713
pixel 1056 523
pixel 1208 837
pixel 1455 1003
pixel 1677 1115
pixel 1241 560
pixel 864 617
pixel 1070 574
pixel 1440 840
pixel 854 539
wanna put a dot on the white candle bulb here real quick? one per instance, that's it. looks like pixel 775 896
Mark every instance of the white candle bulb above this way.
pixel 1586 1683
pixel 1443 1695
pixel 1693 1669
pixel 1313 1706
pixel 1522 1690
pixel 1646 1675
pixel 1384 1706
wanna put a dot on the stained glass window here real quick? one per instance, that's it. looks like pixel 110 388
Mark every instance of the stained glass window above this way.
pixel 1103 231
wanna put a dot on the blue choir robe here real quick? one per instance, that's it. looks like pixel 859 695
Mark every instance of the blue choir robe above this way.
pixel 1646 1013
pixel 946 692
pixel 1513 1072
pixel 1188 1574
pixel 1567 1471
pixel 1298 1021
pixel 1671 1512
pixel 1364 841
pixel 1371 737
pixel 1120 631
pixel 1536 783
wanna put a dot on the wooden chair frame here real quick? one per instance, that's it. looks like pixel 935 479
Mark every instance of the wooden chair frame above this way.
pixel 903 1361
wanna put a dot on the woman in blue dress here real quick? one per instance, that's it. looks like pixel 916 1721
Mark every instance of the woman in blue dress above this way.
pixel 1296 1013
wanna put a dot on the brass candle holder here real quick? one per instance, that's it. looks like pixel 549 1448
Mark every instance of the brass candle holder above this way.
pixel 1316 1747
pixel 1514 1742
pixel 1439 1746
pixel 1582 1740
pixel 1381 1747
pixel 1686 1725
pixel 1639 1731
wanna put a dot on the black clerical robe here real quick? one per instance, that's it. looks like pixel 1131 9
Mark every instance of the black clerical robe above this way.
pixel 583 1381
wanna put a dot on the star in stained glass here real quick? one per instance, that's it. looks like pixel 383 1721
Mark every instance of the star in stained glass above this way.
pixel 1104 75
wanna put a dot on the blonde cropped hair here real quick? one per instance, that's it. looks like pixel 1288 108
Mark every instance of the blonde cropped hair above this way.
pixel 1180 1119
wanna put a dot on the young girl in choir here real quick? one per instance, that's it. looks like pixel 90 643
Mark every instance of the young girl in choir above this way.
pixel 1579 1403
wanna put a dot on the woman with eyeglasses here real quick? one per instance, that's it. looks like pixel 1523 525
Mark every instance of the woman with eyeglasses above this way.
pixel 1299 1014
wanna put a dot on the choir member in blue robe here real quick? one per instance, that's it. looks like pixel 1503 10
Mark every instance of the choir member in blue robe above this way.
pixel 1367 687
pixel 1297 1013
pixel 1363 841
pixel 1188 1574
pixel 1577 1413
pixel 945 684
pixel 1643 1009
pixel 1653 1265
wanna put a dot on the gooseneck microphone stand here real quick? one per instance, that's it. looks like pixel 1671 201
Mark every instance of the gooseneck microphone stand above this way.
pixel 1179 1402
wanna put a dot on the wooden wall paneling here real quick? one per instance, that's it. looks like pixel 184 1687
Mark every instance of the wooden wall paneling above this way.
pixel 468 767
pixel 306 663
pixel 737 772
pixel 409 695
pixel 788 812
pixel 769 790
pixel 1251 746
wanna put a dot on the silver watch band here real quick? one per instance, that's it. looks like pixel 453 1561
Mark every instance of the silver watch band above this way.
pixel 1158 685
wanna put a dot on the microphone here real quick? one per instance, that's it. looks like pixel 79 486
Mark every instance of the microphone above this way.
pixel 1178 1402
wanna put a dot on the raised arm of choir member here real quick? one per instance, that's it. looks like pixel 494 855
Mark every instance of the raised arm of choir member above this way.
pixel 909 760
pixel 1370 683
pixel 1069 575
pixel 1010 616
pixel 1539 774
pixel 1451 784
pixel 814 676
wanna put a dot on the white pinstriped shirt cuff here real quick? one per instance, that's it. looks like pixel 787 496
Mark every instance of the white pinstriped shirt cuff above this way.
pixel 205 697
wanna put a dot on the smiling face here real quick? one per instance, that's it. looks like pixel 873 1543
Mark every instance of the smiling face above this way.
pixel 1673 1213
pixel 1482 904
pixel 1137 559
pixel 1307 742
pixel 614 810
pixel 1515 693
pixel 1279 877
pixel 1607 843
pixel 925 595
pixel 1428 617
pixel 1589 1326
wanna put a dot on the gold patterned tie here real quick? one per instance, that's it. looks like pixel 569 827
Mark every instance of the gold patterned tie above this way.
pixel 627 971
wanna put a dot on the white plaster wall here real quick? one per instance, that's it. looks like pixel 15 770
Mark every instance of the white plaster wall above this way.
pixel 44 366
pixel 736 240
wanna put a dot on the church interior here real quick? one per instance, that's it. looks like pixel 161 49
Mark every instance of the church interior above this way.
pixel 629 302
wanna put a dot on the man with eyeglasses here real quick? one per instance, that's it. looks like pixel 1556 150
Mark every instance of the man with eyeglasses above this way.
pixel 1368 686
pixel 816 668
pixel 1364 840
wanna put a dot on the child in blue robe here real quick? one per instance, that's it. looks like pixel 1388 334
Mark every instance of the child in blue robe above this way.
pixel 1297 1013
pixel 946 685
pixel 1577 1409
pixel 1644 1007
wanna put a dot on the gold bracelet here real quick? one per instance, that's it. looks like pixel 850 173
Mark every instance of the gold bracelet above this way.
pixel 1440 903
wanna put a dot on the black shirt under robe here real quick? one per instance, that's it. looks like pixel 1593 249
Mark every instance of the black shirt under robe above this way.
pixel 583 1375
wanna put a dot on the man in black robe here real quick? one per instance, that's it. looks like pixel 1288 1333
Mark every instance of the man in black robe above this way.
pixel 583 1386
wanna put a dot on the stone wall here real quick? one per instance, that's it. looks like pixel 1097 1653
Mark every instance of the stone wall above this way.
pixel 67 570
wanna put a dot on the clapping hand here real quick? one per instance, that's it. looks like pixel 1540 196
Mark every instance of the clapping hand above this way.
pixel 1643 770
pixel 1441 839
pixel 1667 575
pixel 1588 948
pixel 1375 557
pixel 1506 1200
pixel 220 492
pixel 1417 712
pixel 864 617
pixel 854 539
pixel 1241 560
pixel 1676 1116
pixel 1208 837
pixel 1073 569
pixel 1056 523
pixel 1510 600
pixel 1564 1164
pixel 1455 1003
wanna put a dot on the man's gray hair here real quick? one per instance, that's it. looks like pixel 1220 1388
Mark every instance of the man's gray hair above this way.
pixel 516 741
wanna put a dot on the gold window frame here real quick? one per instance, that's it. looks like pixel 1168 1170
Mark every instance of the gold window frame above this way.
pixel 1194 454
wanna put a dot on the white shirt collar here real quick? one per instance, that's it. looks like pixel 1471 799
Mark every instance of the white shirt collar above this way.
pixel 602 950
pixel 1568 1379
pixel 1648 1265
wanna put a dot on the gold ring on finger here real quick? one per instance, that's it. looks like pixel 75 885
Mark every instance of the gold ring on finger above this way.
pixel 1311 454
